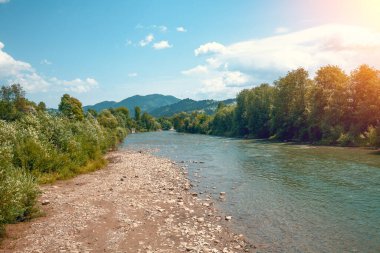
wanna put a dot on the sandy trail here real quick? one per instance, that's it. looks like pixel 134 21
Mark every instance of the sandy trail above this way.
pixel 138 203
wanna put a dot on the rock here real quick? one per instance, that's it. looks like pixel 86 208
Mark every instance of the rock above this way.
pixel 201 219
pixel 194 194
pixel 121 179
pixel 45 202
pixel 228 218
pixel 222 193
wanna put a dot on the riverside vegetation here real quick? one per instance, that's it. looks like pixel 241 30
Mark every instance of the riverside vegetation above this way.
pixel 332 109
pixel 41 146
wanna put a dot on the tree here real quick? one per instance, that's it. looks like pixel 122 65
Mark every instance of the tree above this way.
pixel 328 103
pixel 13 102
pixel 137 113
pixel 260 103
pixel 71 107
pixel 365 90
pixel 41 106
pixel 289 111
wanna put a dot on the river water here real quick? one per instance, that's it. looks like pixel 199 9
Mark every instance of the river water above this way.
pixel 283 197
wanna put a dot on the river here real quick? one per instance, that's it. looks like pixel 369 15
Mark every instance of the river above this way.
pixel 283 197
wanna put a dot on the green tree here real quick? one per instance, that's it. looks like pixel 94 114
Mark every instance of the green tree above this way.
pixel 137 114
pixel 365 90
pixel 13 102
pixel 71 107
pixel 328 103
pixel 289 121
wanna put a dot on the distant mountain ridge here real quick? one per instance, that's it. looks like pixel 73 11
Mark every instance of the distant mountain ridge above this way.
pixel 161 105
pixel 189 105
pixel 146 103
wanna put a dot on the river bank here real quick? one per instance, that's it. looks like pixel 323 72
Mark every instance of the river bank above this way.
pixel 138 203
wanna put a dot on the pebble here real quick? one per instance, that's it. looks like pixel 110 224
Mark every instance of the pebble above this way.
pixel 45 202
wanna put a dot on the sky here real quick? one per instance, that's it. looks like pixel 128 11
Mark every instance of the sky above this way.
pixel 200 49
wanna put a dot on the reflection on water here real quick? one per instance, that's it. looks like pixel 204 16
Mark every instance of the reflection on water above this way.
pixel 292 198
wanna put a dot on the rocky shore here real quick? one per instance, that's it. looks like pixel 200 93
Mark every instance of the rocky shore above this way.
pixel 138 203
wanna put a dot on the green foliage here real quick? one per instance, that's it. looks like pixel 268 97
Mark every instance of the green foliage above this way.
pixel 137 113
pixel 192 122
pixel 43 147
pixel 71 107
pixel 223 122
pixel 331 109
pixel 165 123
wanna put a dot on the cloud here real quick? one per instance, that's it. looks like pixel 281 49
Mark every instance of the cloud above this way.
pixel 281 29
pixel 181 29
pixel 162 28
pixel 77 85
pixel 211 47
pixel 235 79
pixel 148 39
pixel 162 45
pixel 14 71
pixel 128 42
pixel 198 70
pixel 133 74
pixel 45 62
pixel 4 1
pixel 251 62
pixel 346 46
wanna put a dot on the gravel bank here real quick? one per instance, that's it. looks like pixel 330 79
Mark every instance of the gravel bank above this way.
pixel 138 203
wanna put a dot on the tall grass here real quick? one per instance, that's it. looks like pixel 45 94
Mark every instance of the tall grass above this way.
pixel 40 148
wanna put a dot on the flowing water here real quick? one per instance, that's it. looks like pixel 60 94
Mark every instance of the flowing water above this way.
pixel 283 197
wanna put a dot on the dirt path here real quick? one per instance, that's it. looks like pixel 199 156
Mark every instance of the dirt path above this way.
pixel 139 203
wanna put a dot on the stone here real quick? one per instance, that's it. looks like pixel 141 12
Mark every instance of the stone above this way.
pixel 45 202
pixel 201 219
pixel 228 218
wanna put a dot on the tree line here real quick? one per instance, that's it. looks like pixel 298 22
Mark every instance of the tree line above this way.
pixel 39 145
pixel 332 108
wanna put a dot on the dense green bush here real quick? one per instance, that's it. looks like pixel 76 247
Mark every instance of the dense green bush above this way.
pixel 38 146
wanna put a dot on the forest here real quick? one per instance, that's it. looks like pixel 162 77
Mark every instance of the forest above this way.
pixel 332 108
pixel 39 145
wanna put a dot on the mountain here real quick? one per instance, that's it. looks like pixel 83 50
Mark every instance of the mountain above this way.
pixel 146 103
pixel 189 105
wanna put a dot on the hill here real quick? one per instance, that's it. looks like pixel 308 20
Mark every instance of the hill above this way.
pixel 146 103
pixel 189 105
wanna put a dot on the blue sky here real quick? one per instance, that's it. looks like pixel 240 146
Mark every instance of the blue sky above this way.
pixel 110 50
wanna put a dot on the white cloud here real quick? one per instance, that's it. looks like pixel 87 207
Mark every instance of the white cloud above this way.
pixel 4 1
pixel 14 71
pixel 162 28
pixel 133 74
pixel 198 70
pixel 346 46
pixel 281 29
pixel 9 66
pixel 235 79
pixel 128 42
pixel 148 39
pixel 77 85
pixel 162 45
pixel 248 63
pixel 181 29
pixel 211 47
pixel 45 62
